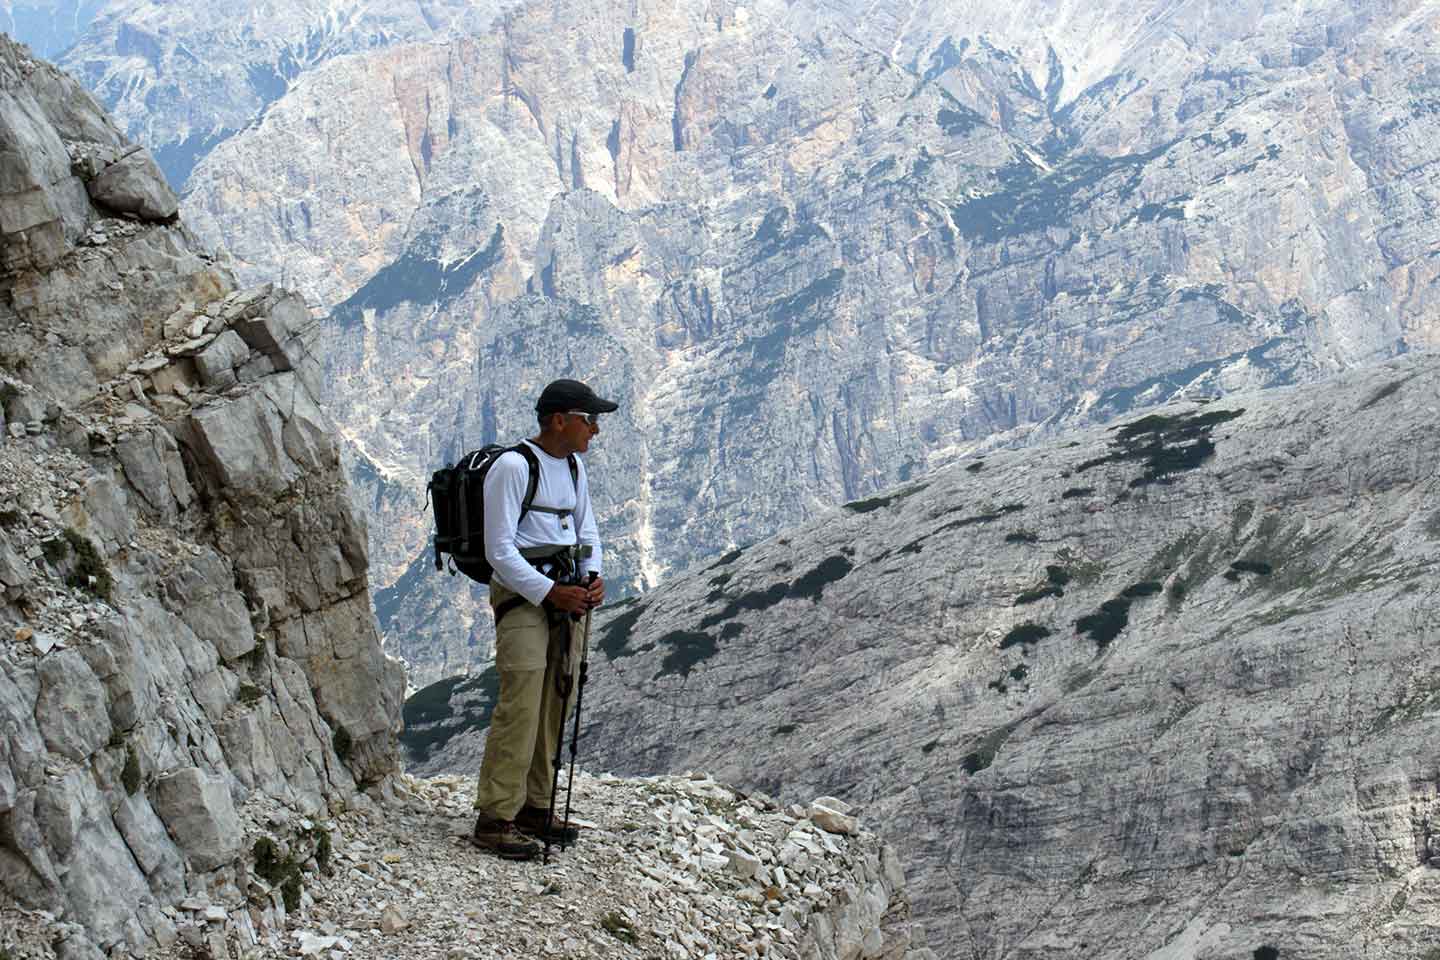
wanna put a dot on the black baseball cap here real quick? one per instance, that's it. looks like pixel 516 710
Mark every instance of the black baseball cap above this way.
pixel 565 395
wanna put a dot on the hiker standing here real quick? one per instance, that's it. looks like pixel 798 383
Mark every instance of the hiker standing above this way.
pixel 540 560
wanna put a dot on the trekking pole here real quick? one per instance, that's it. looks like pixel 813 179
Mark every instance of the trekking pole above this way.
pixel 563 685
pixel 579 698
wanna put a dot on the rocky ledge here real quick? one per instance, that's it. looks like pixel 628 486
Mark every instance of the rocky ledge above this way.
pixel 665 867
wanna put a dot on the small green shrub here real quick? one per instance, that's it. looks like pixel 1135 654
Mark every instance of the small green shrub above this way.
pixel 323 849
pixel 256 656
pixel 343 744
pixel 1025 633
pixel 249 693
pixel 687 648
pixel 1258 567
pixel 1105 624
pixel 90 571
pixel 9 518
pixel 291 890
pixel 1039 593
pixel 55 550
pixel 618 927
pixel 269 865
pixel 130 775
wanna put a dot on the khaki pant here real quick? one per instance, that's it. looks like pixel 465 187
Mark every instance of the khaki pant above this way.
pixel 529 719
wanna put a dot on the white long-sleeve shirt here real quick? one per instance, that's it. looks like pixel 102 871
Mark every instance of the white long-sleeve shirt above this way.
pixel 506 534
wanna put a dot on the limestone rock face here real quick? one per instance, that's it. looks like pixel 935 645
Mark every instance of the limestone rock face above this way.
pixel 1190 653
pixel 188 662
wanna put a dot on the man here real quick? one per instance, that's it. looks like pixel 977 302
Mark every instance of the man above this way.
pixel 535 591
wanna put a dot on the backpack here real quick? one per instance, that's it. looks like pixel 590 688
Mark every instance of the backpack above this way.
pixel 458 495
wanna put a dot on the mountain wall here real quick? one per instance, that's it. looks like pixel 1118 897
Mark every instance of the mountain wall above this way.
pixel 1161 690
pixel 191 668
pixel 815 259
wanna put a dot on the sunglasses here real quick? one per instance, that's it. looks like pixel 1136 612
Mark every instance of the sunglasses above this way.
pixel 590 418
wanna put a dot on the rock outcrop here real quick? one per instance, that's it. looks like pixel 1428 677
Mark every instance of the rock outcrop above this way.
pixel 1159 691
pixel 190 664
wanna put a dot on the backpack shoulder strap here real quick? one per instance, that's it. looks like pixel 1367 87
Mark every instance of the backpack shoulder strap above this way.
pixel 533 462
pixel 575 476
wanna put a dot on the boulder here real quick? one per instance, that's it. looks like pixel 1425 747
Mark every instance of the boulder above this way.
pixel 134 184
pixel 152 468
pixel 199 814
pixel 218 361
pixel 203 594
pixel 151 845
pixel 72 701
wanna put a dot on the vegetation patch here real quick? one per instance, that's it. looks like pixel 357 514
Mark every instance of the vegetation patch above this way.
pixel 1025 634
pixel 1055 579
pixel 1038 594
pixel 1022 536
pixel 431 716
pixel 614 639
pixel 1257 567
pixel 984 754
pixel 1164 445
pixel 130 775
pixel 753 600
pixel 343 744
pixel 1147 588
pixel 10 517
pixel 249 693
pixel 784 730
pixel 875 503
pixel 687 649
pixel 1076 492
pixel 729 558
pixel 1105 624
pixel 618 927
pixel 276 870
pixel 813 584
pixel 88 570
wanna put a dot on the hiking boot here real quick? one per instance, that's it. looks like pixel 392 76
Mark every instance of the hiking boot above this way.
pixel 531 822
pixel 502 839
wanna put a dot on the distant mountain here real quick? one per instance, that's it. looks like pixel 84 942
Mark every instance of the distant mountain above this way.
pixel 1159 691
pixel 819 248
pixel 185 77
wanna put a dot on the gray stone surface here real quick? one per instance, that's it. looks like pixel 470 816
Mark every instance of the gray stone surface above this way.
pixel 1191 651
pixel 198 813
pixel 134 184
pixel 218 362
pixel 149 728
pixel 72 701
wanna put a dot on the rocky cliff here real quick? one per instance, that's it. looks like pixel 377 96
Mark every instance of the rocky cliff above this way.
pixel 817 253
pixel 1162 690
pixel 190 665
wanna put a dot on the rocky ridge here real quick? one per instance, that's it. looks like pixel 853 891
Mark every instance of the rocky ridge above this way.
pixel 1161 690
pixel 190 665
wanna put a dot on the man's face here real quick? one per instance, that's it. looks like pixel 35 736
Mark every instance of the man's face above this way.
pixel 577 429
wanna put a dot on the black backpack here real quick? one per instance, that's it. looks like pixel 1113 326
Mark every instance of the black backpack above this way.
pixel 458 495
